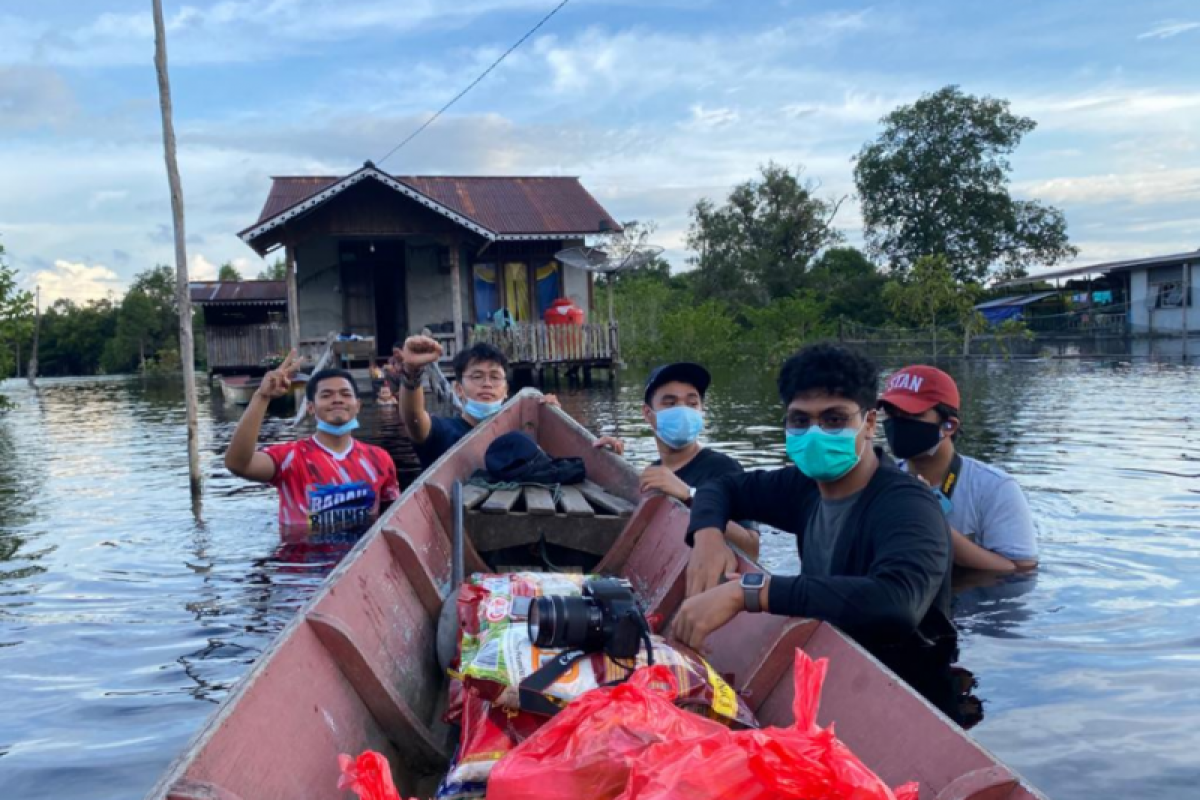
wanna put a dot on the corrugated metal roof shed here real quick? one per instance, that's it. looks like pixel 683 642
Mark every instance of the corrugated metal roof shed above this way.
pixel 1015 300
pixel 1105 268
pixel 238 292
pixel 504 205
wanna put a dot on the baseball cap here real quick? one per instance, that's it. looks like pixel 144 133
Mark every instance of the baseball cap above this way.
pixel 915 390
pixel 682 371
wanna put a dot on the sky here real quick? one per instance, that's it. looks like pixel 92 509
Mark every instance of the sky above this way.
pixel 654 104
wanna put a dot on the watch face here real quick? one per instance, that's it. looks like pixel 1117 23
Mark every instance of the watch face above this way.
pixel 753 579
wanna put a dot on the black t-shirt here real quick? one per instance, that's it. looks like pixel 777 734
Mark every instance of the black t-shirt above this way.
pixel 707 465
pixel 444 433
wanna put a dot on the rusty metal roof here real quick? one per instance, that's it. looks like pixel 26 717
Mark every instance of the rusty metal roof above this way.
pixel 244 293
pixel 505 206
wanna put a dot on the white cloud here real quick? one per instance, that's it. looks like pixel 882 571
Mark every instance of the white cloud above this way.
pixel 708 118
pixel 1167 185
pixel 201 269
pixel 1169 29
pixel 75 281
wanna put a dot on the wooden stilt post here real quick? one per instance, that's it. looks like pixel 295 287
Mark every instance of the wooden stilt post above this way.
pixel 293 298
pixel 187 356
pixel 456 291
pixel 37 327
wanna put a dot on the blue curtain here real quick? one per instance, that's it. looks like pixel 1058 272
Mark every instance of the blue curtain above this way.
pixel 487 292
pixel 549 286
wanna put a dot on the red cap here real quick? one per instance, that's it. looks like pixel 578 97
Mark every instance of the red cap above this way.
pixel 915 390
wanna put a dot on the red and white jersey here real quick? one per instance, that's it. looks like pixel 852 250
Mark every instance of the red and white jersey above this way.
pixel 323 490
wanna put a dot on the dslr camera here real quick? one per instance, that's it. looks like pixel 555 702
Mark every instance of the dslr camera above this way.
pixel 606 618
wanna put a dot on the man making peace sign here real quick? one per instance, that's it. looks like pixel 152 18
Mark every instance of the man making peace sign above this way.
pixel 328 482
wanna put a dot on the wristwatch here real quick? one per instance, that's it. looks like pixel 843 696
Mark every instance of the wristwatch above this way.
pixel 691 496
pixel 752 583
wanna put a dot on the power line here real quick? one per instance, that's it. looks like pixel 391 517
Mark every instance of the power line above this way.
pixel 475 82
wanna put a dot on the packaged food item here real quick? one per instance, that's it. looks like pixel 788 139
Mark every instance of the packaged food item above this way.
pixel 369 776
pixel 488 734
pixel 505 657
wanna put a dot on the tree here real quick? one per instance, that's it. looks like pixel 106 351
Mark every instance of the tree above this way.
pixel 229 272
pixel 850 286
pixel 74 336
pixel 929 295
pixel 935 182
pixel 759 244
pixel 146 322
pixel 16 317
pixel 275 271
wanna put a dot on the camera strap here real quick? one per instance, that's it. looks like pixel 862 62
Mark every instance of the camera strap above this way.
pixel 952 475
pixel 531 691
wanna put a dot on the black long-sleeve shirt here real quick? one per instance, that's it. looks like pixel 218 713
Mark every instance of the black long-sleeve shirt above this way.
pixel 889 579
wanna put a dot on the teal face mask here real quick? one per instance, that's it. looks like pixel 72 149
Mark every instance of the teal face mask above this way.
pixel 679 426
pixel 337 430
pixel 822 456
pixel 479 410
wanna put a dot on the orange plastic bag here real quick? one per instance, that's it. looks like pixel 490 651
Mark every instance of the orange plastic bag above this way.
pixel 634 746
pixel 586 750
pixel 369 776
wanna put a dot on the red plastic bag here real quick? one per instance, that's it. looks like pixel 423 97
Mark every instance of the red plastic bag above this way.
pixel 585 750
pixel 369 776
pixel 635 745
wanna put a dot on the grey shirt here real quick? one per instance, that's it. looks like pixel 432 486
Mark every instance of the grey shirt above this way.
pixel 989 508
pixel 821 537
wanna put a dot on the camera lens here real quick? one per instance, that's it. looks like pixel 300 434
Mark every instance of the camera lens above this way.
pixel 561 622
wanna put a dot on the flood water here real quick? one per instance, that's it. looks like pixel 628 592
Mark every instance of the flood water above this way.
pixel 123 621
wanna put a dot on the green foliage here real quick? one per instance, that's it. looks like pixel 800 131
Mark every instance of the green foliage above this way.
pixel 16 316
pixel 73 336
pixel 850 285
pixel 147 322
pixel 275 271
pixel 757 247
pixel 641 304
pixel 706 329
pixel 778 329
pixel 935 182
pixel 929 296
pixel 229 272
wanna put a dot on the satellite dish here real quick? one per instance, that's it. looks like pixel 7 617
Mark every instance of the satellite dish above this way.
pixel 615 254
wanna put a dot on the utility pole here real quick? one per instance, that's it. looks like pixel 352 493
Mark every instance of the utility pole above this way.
pixel 187 349
pixel 32 371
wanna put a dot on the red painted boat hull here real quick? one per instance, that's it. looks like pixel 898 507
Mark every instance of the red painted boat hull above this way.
pixel 356 669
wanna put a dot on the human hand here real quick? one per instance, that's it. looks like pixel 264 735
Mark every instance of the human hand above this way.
pixel 278 382
pixel 701 615
pixel 612 443
pixel 549 400
pixel 659 478
pixel 419 352
pixel 711 558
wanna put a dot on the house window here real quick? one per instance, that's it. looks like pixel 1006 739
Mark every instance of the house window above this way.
pixel 1166 287
pixel 486 292
pixel 516 291
pixel 549 286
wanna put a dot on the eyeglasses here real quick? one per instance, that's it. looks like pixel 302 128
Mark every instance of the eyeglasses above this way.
pixel 830 421
pixel 486 377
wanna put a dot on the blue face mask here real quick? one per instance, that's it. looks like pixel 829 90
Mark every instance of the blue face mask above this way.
pixel 479 410
pixel 337 430
pixel 679 426
pixel 822 456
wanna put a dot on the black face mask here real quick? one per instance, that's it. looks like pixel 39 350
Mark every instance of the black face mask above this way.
pixel 911 437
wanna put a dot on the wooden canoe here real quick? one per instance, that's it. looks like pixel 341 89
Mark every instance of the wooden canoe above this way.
pixel 239 389
pixel 356 668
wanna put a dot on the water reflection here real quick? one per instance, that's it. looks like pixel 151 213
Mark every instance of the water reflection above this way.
pixel 118 611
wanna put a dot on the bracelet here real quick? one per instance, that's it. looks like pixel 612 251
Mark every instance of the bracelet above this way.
pixel 409 382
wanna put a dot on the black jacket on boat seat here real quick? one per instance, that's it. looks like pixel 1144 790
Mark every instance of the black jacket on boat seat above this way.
pixel 889 581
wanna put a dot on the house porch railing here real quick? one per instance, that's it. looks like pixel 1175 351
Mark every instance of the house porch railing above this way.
pixel 536 343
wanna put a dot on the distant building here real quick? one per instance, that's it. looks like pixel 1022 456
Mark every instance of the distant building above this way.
pixel 1148 296
pixel 244 323
pixel 382 256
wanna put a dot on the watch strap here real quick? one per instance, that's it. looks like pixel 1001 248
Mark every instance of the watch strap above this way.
pixel 750 594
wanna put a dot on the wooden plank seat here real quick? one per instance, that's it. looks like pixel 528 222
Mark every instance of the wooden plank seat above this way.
pixel 584 517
